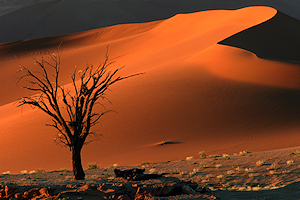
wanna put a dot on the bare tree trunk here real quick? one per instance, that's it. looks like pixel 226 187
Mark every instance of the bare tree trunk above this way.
pixel 78 173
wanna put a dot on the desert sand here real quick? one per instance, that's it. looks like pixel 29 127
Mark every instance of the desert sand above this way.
pixel 196 94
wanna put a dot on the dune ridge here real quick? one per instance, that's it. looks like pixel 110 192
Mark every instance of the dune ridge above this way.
pixel 276 39
pixel 195 94
pixel 58 17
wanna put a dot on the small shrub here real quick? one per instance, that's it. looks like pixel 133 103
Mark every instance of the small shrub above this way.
pixel 238 169
pixel 248 170
pixel 183 173
pixel 253 184
pixel 272 172
pixel 113 166
pixel 209 176
pixel 202 155
pixel 230 172
pixel 214 156
pixel 146 163
pixel 218 165
pixel 194 172
pixel 203 165
pixel 225 155
pixel 260 163
pixel 273 166
pixel 175 172
pixel 226 185
pixel 162 142
pixel 92 166
pixel 40 171
pixel 6 173
pixel 64 170
pixel 242 153
pixel 221 176
pixel 189 158
pixel 161 172
pixel 94 176
pixel 290 162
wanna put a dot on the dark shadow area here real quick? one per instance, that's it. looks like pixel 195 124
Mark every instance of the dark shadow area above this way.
pixel 165 143
pixel 275 39
pixel 291 191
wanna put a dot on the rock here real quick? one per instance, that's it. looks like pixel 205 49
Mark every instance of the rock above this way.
pixel 2 193
pixel 135 174
pixel 113 189
pixel 203 190
pixel 128 173
pixel 9 190
pixel 186 189
pixel 161 190
pixel 124 197
pixel 34 192
pixel 46 192
pixel 18 195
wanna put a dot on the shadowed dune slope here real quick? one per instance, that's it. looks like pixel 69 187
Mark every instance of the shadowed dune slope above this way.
pixel 57 17
pixel 195 94
pixel 277 38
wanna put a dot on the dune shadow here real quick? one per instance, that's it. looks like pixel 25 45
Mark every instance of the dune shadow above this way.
pixel 167 142
pixel 277 39
pixel 290 191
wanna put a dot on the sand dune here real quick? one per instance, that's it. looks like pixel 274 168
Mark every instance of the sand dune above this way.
pixel 196 94
pixel 277 39
pixel 57 17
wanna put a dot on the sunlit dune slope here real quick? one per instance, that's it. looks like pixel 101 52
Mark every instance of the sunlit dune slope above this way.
pixel 195 94
pixel 277 38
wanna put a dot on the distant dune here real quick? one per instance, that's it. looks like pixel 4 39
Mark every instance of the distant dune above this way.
pixel 195 94
pixel 44 18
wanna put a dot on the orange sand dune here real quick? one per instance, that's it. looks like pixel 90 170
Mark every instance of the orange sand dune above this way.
pixel 195 94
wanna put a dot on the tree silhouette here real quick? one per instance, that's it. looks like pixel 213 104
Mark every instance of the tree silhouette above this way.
pixel 72 110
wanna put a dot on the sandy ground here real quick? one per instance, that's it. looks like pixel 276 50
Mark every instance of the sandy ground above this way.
pixel 246 175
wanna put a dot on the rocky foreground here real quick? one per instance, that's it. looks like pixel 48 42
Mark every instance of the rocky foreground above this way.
pixel 118 188
pixel 244 176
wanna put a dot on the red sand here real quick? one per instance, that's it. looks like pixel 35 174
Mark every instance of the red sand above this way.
pixel 195 93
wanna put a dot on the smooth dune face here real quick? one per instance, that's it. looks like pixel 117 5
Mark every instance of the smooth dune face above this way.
pixel 195 94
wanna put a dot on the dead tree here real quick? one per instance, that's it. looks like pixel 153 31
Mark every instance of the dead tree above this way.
pixel 71 110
